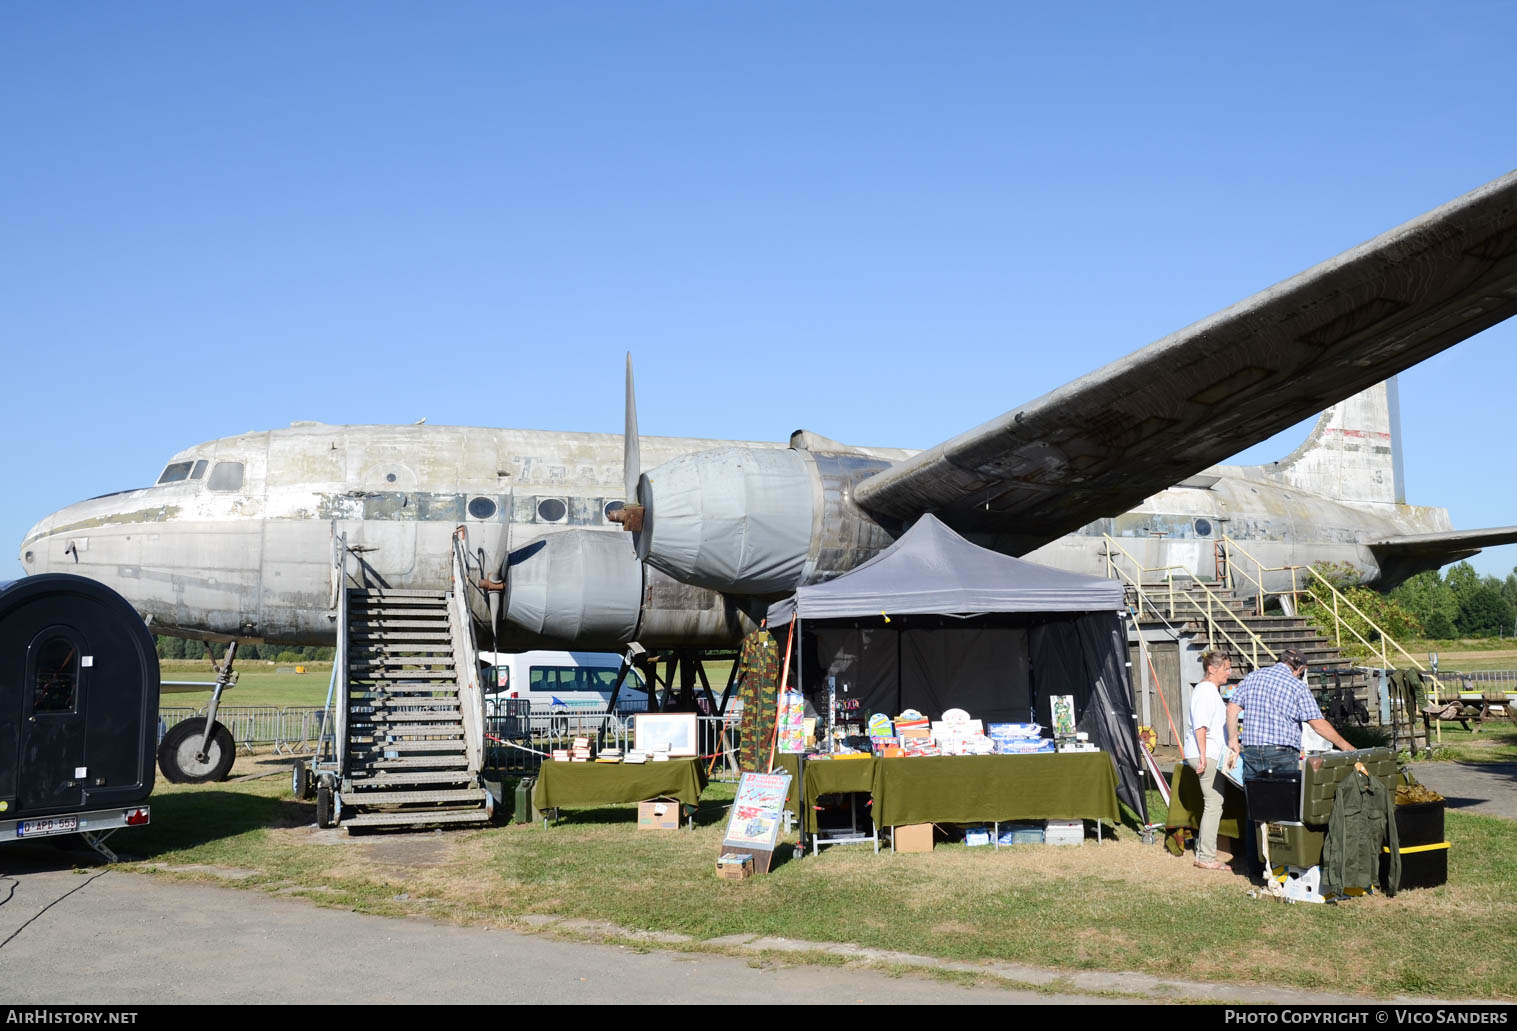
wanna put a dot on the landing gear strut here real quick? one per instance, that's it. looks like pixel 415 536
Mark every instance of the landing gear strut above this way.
pixel 195 751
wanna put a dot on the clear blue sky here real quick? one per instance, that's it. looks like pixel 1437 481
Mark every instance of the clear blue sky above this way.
pixel 887 222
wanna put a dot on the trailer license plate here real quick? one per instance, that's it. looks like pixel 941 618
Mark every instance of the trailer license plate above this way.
pixel 53 825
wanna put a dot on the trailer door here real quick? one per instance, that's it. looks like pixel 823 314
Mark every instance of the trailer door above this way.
pixel 53 772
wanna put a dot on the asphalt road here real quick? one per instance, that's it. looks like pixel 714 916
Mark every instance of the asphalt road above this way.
pixel 123 938
pixel 1489 788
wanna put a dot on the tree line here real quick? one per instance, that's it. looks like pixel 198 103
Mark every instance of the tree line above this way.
pixel 1461 603
pixel 180 648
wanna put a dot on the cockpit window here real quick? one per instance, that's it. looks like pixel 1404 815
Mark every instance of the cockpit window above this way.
pixel 199 469
pixel 226 476
pixel 175 472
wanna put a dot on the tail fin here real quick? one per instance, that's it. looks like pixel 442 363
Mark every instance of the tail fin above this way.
pixel 1353 454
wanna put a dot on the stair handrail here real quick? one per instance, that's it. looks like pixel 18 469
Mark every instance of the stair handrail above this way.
pixel 338 690
pixel 1261 592
pixel 1339 599
pixel 1213 629
pixel 471 699
pixel 1137 581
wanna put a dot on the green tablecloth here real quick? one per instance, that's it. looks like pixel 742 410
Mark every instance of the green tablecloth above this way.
pixel 583 785
pixel 789 762
pixel 833 777
pixel 972 788
pixel 1185 803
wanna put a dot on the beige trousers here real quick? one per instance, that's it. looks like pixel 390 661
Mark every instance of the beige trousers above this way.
pixel 1211 812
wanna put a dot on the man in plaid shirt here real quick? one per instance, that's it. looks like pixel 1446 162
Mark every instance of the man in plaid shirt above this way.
pixel 1277 703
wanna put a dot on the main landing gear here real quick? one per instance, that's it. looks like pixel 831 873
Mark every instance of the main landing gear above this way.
pixel 199 751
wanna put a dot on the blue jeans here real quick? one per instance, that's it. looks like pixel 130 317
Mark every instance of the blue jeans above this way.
pixel 1259 759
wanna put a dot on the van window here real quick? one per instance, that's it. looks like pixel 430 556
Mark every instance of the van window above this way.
pixel 56 676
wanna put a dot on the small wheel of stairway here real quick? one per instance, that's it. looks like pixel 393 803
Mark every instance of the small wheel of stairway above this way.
pixel 324 795
pixel 300 780
pixel 180 758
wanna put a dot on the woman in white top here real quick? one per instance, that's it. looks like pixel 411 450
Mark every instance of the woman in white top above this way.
pixel 1205 745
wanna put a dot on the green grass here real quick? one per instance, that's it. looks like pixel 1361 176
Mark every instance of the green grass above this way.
pixel 255 686
pixel 1117 906
pixel 1496 743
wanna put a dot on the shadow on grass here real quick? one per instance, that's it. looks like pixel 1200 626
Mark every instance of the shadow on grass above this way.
pixel 188 819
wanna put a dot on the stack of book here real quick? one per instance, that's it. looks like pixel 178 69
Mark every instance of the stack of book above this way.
pixel 581 750
pixel 609 755
pixel 634 756
pixel 560 755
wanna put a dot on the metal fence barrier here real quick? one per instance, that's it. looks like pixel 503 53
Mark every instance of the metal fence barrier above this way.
pixel 524 735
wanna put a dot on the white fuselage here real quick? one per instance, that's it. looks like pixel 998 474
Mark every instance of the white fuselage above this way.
pixel 226 552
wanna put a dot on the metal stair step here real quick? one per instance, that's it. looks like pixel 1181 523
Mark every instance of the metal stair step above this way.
pixel 416 777
pixel 362 796
pixel 419 716
pixel 381 624
pixel 415 763
pixel 387 661
pixel 393 592
pixel 409 746
pixel 401 674
pixel 401 819
pixel 403 731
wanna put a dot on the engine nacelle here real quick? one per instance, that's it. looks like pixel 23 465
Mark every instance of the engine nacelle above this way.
pixel 587 589
pixel 757 521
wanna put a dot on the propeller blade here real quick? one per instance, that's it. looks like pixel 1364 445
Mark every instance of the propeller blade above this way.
pixel 632 465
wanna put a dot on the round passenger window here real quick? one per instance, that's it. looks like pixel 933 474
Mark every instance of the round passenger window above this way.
pixel 481 508
pixel 551 510
pixel 613 506
pixel 1203 528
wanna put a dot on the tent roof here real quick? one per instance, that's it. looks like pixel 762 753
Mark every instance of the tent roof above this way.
pixel 931 569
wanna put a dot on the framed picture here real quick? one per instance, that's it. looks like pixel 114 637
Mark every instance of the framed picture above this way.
pixel 673 732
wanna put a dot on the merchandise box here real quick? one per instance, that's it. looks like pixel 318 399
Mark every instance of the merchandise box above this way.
pixel 976 836
pixel 1064 832
pixel 1021 834
pixel 913 837
pixel 915 733
pixel 658 816
pixel 733 868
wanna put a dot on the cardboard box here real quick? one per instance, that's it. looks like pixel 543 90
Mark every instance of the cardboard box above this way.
pixel 735 871
pixel 658 816
pixel 917 733
pixel 912 837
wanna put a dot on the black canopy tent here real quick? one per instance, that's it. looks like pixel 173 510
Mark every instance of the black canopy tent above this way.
pixel 934 622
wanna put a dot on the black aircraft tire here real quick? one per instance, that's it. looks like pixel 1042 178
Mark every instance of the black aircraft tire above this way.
pixel 323 806
pixel 177 754
pixel 300 780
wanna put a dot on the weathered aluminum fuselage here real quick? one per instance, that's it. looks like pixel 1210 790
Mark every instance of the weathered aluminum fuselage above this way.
pixel 255 561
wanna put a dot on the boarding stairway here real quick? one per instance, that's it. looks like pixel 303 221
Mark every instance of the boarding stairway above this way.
pixel 1219 616
pixel 410 731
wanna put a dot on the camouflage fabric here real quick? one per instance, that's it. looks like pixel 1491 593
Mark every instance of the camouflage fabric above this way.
pixel 758 683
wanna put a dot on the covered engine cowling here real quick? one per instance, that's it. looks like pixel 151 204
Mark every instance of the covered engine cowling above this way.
pixel 587 589
pixel 757 521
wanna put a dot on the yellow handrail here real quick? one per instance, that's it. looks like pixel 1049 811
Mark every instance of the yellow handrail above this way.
pixel 1339 599
pixel 1212 627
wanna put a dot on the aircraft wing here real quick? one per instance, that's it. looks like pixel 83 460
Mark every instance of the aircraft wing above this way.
pixel 1099 445
pixel 1409 554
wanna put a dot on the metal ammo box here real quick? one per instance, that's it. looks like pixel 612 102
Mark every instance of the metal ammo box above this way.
pixel 1299 842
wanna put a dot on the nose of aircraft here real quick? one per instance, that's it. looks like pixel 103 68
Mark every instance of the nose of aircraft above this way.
pixel 33 552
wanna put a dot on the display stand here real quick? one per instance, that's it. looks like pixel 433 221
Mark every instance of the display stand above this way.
pixel 754 823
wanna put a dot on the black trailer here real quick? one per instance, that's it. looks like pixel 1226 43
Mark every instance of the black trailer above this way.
pixel 78 710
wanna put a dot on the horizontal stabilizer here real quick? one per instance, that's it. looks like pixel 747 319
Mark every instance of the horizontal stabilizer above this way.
pixel 1407 555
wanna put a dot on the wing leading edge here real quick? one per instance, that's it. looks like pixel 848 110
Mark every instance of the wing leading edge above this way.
pixel 1102 443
